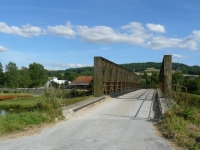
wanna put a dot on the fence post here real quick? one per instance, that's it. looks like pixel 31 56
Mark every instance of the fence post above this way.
pixel 75 92
pixel 84 90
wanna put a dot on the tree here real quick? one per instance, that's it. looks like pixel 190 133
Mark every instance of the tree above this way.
pixel 143 83
pixel 70 76
pixel 147 78
pixel 1 76
pixel 197 81
pixel 177 78
pixel 38 75
pixel 60 76
pixel 154 79
pixel 12 75
pixel 24 79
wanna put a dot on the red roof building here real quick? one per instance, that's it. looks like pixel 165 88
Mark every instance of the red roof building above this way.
pixel 82 80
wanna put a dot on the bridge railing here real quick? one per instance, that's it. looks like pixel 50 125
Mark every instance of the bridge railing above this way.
pixel 179 92
pixel 110 78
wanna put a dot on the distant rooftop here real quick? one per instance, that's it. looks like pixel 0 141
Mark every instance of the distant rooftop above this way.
pixel 82 80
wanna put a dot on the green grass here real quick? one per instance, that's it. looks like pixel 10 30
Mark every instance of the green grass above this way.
pixel 29 112
pixel 21 104
pixel 23 101
pixel 181 123
pixel 20 121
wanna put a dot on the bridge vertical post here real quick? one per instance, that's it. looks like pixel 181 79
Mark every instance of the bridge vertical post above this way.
pixel 168 74
pixel 98 85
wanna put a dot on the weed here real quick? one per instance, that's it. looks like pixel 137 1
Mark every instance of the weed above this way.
pixel 24 113
pixel 181 123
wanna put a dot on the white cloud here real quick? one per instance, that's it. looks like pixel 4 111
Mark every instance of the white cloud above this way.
pixel 133 33
pixel 26 30
pixel 178 56
pixel 3 49
pixel 156 27
pixel 105 48
pixel 160 42
pixel 134 27
pixel 62 30
pixel 190 42
pixel 196 34
pixel 68 65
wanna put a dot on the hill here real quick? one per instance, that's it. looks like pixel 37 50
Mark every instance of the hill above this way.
pixel 72 73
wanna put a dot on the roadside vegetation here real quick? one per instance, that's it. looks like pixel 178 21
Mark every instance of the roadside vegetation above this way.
pixel 181 123
pixel 20 114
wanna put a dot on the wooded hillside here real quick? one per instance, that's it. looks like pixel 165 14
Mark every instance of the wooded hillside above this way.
pixel 72 73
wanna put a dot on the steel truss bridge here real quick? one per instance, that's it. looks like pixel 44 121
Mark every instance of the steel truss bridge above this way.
pixel 110 78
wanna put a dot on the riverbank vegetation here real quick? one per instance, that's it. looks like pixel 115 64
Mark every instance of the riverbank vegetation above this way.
pixel 181 123
pixel 20 114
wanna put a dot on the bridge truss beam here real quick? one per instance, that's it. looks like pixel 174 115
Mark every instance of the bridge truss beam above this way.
pixel 111 78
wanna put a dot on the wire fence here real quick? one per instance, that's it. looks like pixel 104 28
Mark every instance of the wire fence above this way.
pixel 65 97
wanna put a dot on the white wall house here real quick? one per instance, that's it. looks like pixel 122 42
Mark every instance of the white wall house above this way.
pixel 55 79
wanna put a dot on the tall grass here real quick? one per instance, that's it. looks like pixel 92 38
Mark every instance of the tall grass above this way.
pixel 33 111
pixel 181 123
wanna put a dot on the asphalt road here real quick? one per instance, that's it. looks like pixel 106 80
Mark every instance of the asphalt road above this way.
pixel 120 123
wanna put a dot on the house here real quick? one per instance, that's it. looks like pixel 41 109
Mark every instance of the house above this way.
pixel 55 79
pixel 82 81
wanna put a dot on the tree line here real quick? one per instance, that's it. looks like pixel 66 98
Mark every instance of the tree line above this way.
pixel 36 76
pixel 140 67
pixel 33 76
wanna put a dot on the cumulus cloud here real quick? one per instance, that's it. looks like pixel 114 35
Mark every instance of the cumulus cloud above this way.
pixel 26 30
pixel 178 56
pixel 160 42
pixel 3 49
pixel 62 30
pixel 134 27
pixel 190 42
pixel 196 34
pixel 156 27
pixel 132 33
pixel 69 65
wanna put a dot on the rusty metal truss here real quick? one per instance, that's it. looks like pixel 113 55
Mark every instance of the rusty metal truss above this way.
pixel 111 78
pixel 165 76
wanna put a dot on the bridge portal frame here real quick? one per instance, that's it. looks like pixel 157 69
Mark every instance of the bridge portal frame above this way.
pixel 111 78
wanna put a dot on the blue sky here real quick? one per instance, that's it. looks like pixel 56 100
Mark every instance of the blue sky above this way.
pixel 61 34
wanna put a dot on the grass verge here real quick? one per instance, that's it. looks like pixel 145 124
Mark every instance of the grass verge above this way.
pixel 181 123
pixel 21 121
